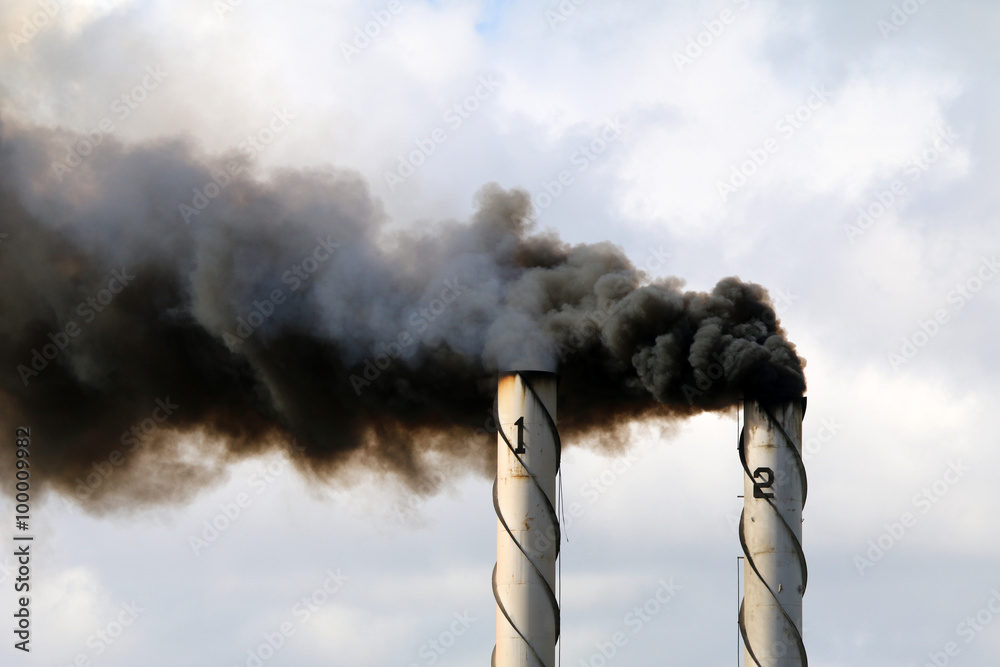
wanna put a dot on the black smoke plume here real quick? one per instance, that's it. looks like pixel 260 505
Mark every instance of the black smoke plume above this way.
pixel 164 312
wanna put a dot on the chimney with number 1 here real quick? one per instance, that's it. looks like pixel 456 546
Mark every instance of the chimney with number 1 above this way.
pixel 528 536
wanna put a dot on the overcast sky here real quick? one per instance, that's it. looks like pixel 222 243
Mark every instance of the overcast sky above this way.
pixel 842 154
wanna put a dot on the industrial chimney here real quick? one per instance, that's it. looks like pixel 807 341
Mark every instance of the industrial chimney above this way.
pixel 528 535
pixel 774 571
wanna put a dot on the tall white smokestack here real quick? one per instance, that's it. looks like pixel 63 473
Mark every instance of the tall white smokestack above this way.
pixel 771 533
pixel 528 534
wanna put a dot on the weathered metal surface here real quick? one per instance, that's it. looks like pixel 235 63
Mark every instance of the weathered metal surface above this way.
pixel 528 537
pixel 770 531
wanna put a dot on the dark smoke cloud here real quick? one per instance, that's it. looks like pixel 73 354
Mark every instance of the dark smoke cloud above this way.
pixel 285 312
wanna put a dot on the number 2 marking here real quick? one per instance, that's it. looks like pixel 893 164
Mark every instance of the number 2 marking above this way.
pixel 758 487
pixel 520 436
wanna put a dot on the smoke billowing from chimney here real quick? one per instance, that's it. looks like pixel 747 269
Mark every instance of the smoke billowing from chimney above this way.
pixel 288 311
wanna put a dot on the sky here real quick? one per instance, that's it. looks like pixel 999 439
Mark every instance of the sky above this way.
pixel 841 154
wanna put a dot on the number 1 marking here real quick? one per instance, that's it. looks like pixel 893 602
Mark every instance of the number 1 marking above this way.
pixel 520 436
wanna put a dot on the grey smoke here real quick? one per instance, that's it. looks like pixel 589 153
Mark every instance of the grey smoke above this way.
pixel 366 344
